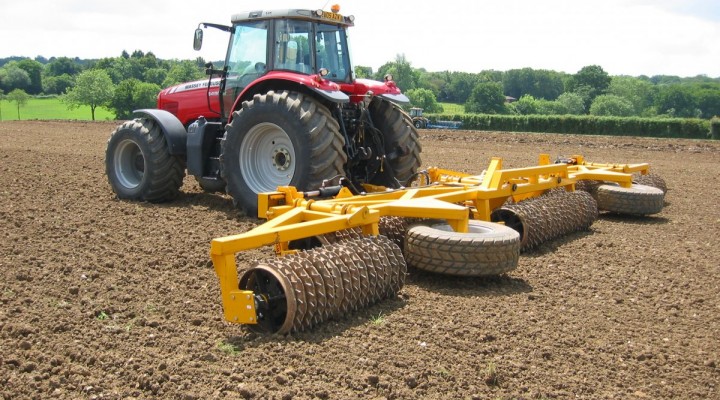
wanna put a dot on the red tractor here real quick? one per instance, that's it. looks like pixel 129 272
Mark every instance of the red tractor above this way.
pixel 284 110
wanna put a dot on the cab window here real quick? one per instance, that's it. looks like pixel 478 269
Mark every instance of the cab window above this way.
pixel 292 46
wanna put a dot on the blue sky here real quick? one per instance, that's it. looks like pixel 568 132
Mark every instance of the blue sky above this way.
pixel 625 37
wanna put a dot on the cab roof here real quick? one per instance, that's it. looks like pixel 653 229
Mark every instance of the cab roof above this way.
pixel 310 15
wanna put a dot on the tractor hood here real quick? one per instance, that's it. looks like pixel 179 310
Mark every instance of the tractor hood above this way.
pixel 361 87
pixel 189 100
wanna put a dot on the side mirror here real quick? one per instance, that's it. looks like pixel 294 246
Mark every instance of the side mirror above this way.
pixel 197 40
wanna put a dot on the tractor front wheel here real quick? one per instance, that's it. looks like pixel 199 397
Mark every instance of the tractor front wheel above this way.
pixel 138 163
pixel 280 139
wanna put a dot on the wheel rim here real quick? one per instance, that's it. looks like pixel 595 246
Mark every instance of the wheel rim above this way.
pixel 267 158
pixel 129 164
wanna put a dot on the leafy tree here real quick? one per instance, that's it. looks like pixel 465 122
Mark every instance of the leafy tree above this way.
pixel 526 105
pixel 57 84
pixel 590 82
pixel 708 100
pixel 611 105
pixel 2 97
pixel 155 75
pixel 486 98
pixel 551 107
pixel 14 77
pixel 183 71
pixel 363 72
pixel 19 97
pixel 425 99
pixel 677 101
pixel 637 91
pixel 34 70
pixel 573 103
pixel 402 73
pixel 461 86
pixel 434 81
pixel 62 66
pixel 93 88
pixel 542 84
pixel 132 94
pixel 490 75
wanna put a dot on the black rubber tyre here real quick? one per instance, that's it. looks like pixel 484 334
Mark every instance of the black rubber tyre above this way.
pixel 635 200
pixel 211 185
pixel 487 249
pixel 402 143
pixel 650 180
pixel 419 124
pixel 138 164
pixel 280 139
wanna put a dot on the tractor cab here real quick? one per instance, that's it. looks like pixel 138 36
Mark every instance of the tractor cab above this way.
pixel 280 45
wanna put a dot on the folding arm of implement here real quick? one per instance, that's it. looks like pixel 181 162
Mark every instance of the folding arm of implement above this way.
pixel 449 195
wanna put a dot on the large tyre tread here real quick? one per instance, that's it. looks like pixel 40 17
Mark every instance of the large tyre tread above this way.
pixel 452 253
pixel 635 200
pixel 325 143
pixel 165 172
pixel 399 129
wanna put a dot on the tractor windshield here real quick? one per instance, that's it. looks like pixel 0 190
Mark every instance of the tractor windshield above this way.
pixel 246 59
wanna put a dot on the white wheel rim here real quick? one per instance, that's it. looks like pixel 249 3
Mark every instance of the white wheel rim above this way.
pixel 267 158
pixel 129 163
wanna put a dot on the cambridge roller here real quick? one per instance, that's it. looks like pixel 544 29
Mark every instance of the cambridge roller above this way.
pixel 547 217
pixel 298 291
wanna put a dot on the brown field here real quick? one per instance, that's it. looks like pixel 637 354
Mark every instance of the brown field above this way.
pixel 101 298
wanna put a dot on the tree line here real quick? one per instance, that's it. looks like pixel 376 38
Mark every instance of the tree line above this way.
pixel 527 91
pixel 132 81
pixel 122 84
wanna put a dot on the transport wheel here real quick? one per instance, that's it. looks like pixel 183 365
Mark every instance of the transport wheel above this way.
pixel 211 185
pixel 651 180
pixel 402 145
pixel 486 249
pixel 280 139
pixel 138 163
pixel 635 200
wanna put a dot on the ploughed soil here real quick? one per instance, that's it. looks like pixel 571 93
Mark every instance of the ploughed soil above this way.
pixel 102 298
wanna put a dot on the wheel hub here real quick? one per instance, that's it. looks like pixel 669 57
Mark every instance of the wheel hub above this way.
pixel 281 159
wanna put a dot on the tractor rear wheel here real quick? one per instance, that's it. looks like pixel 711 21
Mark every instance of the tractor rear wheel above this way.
pixel 486 249
pixel 139 165
pixel 280 139
pixel 402 144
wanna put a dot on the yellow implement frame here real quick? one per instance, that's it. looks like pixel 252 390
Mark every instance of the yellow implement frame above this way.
pixel 450 195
